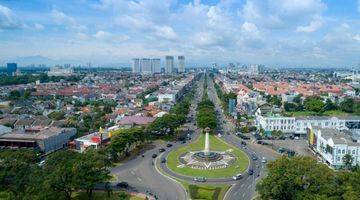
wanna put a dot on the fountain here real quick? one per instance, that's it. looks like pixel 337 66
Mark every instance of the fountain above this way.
pixel 207 159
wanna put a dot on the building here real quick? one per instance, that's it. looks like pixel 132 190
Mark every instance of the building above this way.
pixel 155 65
pixel 146 65
pixel 181 64
pixel 132 121
pixel 298 126
pixel 60 71
pixel 11 68
pixel 93 140
pixel 46 139
pixel 136 67
pixel 331 146
pixel 169 64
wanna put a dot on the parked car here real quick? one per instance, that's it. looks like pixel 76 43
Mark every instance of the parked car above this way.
pixel 161 150
pixel 237 177
pixel 154 155
pixel 122 185
pixel 163 160
pixel 263 160
pixel 169 145
pixel 254 157
pixel 200 179
pixel 243 143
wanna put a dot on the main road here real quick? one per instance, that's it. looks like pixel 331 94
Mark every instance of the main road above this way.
pixel 142 173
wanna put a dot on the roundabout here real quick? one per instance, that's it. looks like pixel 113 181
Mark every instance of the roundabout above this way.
pixel 206 159
pixel 221 161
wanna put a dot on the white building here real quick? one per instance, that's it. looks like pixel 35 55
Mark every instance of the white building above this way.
pixel 167 97
pixel 155 65
pixel 332 145
pixel 299 125
pixel 146 67
pixel 60 71
pixel 169 64
pixel 136 67
pixel 181 64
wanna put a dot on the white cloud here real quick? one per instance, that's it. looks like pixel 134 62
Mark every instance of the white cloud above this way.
pixel 8 20
pixel 312 27
pixel 165 32
pixel 62 19
pixel 358 8
pixel 248 27
pixel 357 37
pixel 39 26
pixel 82 36
pixel 102 35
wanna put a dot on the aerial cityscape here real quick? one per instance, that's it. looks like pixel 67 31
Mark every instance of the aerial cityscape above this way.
pixel 180 100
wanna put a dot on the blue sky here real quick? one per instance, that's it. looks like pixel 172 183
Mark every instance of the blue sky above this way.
pixel 271 32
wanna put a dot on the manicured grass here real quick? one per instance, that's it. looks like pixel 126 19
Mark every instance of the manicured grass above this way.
pixel 310 113
pixel 206 192
pixel 97 195
pixel 216 144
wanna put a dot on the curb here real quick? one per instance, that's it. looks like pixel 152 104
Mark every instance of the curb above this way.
pixel 170 178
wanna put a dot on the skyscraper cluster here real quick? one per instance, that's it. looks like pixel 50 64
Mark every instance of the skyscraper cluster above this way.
pixel 152 65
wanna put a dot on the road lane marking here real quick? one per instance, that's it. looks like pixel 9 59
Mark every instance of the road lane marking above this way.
pixel 243 195
pixel 242 185
pixel 139 179
pixel 249 186
pixel 132 172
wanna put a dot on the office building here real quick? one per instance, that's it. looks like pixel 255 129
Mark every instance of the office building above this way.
pixel 169 64
pixel 11 68
pixel 181 64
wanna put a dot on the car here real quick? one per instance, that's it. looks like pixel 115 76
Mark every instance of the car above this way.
pixel 200 179
pixel 169 145
pixel 263 160
pixel 243 143
pixel 259 142
pixel 250 171
pixel 154 155
pixel 163 160
pixel 296 138
pixel 183 142
pixel 161 150
pixel 122 185
pixel 237 177
pixel 254 157
pixel 291 137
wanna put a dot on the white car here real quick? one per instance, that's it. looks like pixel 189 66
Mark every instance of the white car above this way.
pixel 237 177
pixel 263 160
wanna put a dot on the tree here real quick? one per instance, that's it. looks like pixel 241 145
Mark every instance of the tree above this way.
pixel 347 105
pixel 348 161
pixel 57 115
pixel 297 178
pixel 329 105
pixel 18 172
pixel 14 95
pixel 314 104
pixel 59 172
pixel 297 99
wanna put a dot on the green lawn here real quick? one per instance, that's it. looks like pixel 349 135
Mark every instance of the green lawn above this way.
pixel 310 113
pixel 206 192
pixel 216 144
pixel 104 196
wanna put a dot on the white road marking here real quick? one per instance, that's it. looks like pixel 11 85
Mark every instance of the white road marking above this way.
pixel 242 186
pixel 139 179
pixel 249 187
pixel 243 195
pixel 132 172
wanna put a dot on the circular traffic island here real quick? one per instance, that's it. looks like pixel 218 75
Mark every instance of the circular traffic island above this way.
pixel 220 161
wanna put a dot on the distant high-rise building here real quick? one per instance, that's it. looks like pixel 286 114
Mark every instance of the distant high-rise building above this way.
pixel 136 67
pixel 155 65
pixel 169 64
pixel 146 67
pixel 11 68
pixel 254 69
pixel 181 64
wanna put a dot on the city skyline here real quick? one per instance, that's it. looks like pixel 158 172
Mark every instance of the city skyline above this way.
pixel 276 33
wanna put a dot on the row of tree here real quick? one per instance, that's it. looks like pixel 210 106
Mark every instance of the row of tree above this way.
pixel 224 97
pixel 63 173
pixel 317 104
pixel 206 116
pixel 304 178
pixel 29 78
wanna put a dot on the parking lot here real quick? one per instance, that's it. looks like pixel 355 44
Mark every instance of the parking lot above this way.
pixel 299 146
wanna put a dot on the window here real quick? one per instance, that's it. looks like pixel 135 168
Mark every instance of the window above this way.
pixel 353 151
pixel 343 151
pixel 338 158
pixel 339 151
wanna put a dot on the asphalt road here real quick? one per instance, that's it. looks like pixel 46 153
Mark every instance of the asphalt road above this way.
pixel 142 174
